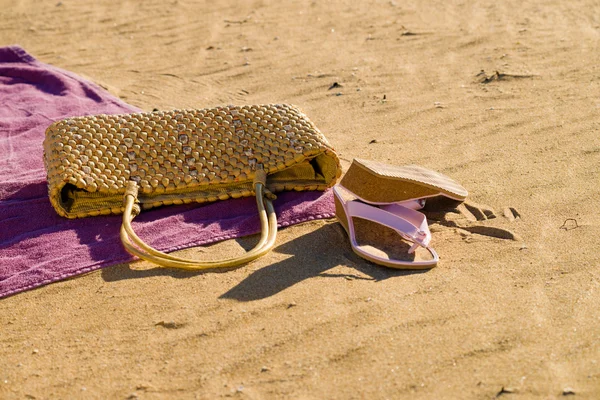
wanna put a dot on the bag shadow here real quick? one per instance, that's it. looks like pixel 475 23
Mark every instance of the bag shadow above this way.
pixel 313 254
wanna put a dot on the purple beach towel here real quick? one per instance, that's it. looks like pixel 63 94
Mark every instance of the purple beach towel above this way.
pixel 37 246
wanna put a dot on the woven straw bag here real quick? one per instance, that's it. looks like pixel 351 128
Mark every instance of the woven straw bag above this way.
pixel 120 164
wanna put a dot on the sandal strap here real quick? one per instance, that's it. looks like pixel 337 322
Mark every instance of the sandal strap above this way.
pixel 410 224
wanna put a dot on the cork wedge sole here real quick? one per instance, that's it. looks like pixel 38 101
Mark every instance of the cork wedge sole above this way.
pixel 378 183
pixel 387 235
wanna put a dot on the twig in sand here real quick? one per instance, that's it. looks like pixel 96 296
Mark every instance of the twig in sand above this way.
pixel 505 390
pixel 499 76
pixel 232 21
pixel 569 224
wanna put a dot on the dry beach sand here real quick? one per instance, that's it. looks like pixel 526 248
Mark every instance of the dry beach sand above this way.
pixel 503 96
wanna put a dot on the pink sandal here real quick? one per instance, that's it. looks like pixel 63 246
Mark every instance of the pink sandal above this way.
pixel 386 197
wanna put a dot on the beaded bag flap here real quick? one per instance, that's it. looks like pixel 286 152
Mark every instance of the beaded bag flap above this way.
pixel 113 164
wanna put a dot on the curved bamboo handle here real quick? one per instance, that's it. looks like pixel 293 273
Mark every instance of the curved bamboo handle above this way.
pixel 136 246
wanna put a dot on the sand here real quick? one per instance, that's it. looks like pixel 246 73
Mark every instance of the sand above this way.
pixel 503 96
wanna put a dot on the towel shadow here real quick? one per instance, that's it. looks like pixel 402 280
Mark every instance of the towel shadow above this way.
pixel 313 255
pixel 124 270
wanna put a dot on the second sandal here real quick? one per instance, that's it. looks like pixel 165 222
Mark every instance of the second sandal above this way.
pixel 376 204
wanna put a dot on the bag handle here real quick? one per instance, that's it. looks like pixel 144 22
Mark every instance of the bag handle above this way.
pixel 136 246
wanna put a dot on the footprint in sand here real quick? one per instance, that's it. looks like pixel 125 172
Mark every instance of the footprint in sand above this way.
pixel 471 217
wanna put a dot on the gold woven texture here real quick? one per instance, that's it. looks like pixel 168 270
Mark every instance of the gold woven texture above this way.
pixel 183 156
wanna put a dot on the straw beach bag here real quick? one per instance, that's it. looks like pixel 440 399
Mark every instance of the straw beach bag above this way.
pixel 120 164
